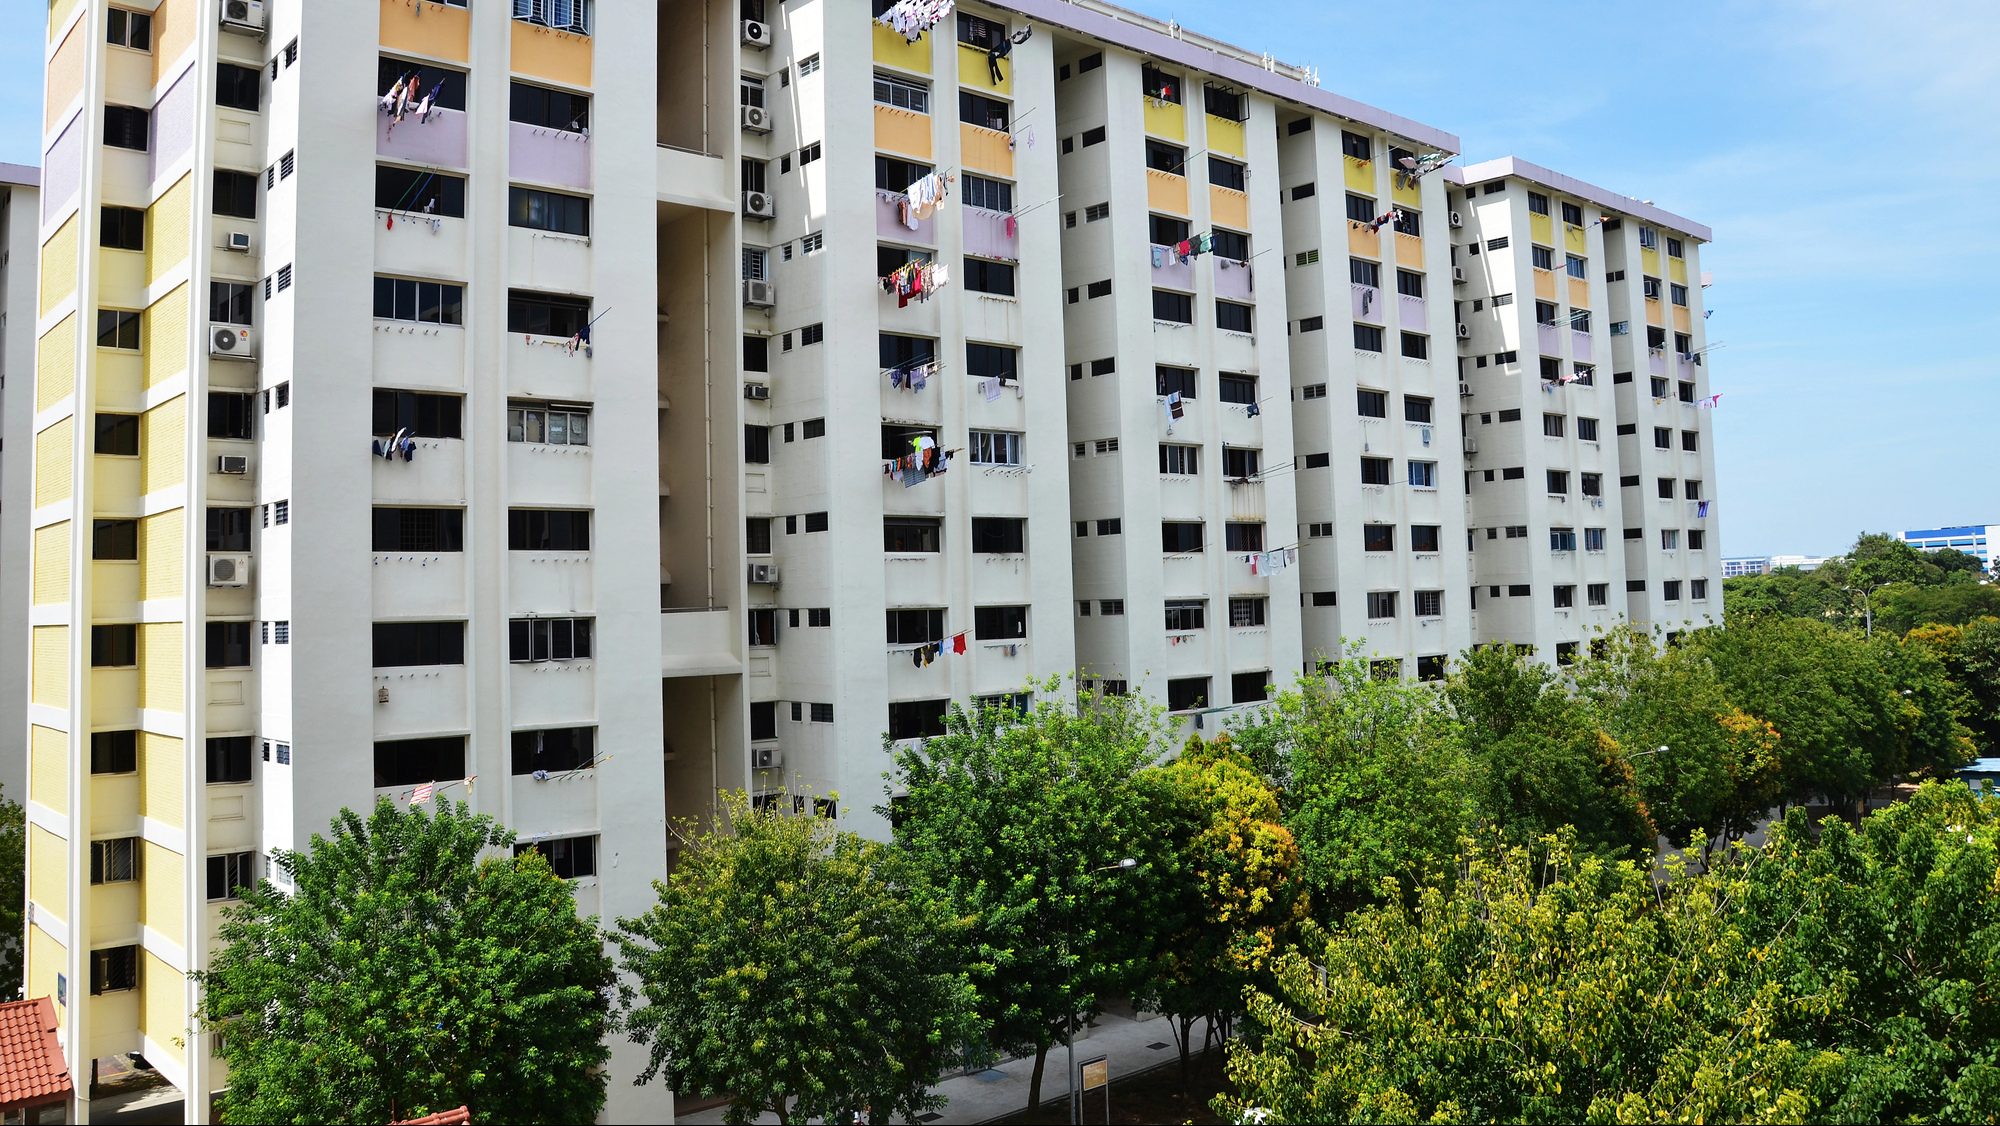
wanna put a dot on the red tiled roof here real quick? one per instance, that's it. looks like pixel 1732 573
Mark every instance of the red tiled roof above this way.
pixel 32 1072
pixel 457 1117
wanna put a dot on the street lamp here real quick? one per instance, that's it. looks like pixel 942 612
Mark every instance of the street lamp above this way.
pixel 1069 1025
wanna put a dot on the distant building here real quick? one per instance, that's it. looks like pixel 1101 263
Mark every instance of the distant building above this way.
pixel 1973 539
pixel 1802 562
pixel 1746 565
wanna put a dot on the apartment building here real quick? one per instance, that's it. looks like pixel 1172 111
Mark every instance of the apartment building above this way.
pixel 1974 539
pixel 618 336
pixel 1558 282
pixel 19 224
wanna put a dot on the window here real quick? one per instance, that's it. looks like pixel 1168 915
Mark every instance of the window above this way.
pixel 1698 589
pixel 570 858
pixel 982 33
pixel 1360 208
pixel 1593 539
pixel 119 539
pixel 1409 222
pixel 118 328
pixel 1670 539
pixel 1361 271
pixel 914 627
pixel 548 529
pixel 114 752
pixel 917 719
pixel 1368 338
pixel 999 535
pixel 540 210
pixel 1497 243
pixel 1409 283
pixel 1538 204
pixel 419 529
pixel 1172 380
pixel 114 969
pixel 1233 245
pixel 1415 346
pixel 238 87
pixel 1423 474
pixel 1674 249
pixel 1381 605
pixel 1562 539
pixel 1378 537
pixel 546 314
pixel 906 534
pixel 126 127
pixel 1181 460
pixel 993 195
pixel 114 861
pixel 407 644
pixel 114 646
pixel 1577 268
pixel 411 762
pixel 1670 590
pixel 982 111
pixel 994 447
pixel 562 110
pixel 1243 537
pixel 750 90
pixel 1179 536
pixel 1233 316
pixel 982 276
pixel 1319 531
pixel 902 351
pixel 1371 404
pixel 550 425
pixel 128 29
pixel 549 639
pixel 419 302
pixel 1356 146
pixel 228 759
pixel 1240 462
pixel 1425 538
pixel 121 228
pixel 1429 603
pixel 229 873
pixel 902 93
pixel 1098 289
pixel 410 190
pixel 1175 307
pixel 231 302
pixel 1225 173
pixel 1666 488
pixel 1375 470
pixel 1187 693
pixel 1663 438
pixel 117 435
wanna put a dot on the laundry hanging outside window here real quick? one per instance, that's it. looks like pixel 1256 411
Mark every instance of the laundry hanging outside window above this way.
pixel 406 97
pixel 922 199
pixel 911 18
pixel 924 461
pixel 913 375
pixel 1270 562
pixel 932 651
pixel 916 280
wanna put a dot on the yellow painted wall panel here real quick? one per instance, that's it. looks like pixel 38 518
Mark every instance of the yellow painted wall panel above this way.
pixel 1225 136
pixel 1542 230
pixel 892 50
pixel 163 1015
pixel 1363 242
pixel 52 462
pixel 160 660
pixel 51 582
pixel 903 131
pixel 162 554
pixel 161 874
pixel 1164 119
pixel 1545 284
pixel 1228 207
pixel 46 959
pixel 1677 269
pixel 1575 241
pixel 59 263
pixel 985 150
pixel 55 364
pixel 1406 191
pixel 169 228
pixel 173 29
pixel 1683 321
pixel 1360 175
pixel 163 445
pixel 1166 192
pixel 162 770
pixel 974 74
pixel 1655 316
pixel 48 769
pixel 163 337
pixel 48 870
pixel 1579 293
pixel 432 29
pixel 1410 251
pixel 555 55
pixel 49 675
pixel 65 67
pixel 1649 260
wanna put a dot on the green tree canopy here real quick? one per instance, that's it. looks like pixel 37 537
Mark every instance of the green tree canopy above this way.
pixel 1013 815
pixel 13 895
pixel 1974 662
pixel 803 970
pixel 1903 608
pixel 410 971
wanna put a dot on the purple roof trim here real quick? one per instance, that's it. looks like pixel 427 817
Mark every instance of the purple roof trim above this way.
pixel 25 175
pixel 1570 185
pixel 1158 44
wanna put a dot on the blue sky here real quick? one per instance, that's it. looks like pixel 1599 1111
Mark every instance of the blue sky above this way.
pixel 1846 154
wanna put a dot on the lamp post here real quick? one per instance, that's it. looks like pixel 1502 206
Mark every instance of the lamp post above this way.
pixel 1069 1023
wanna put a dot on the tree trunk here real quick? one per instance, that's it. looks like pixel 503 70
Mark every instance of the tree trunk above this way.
pixel 1035 1079
pixel 1183 1026
pixel 782 1109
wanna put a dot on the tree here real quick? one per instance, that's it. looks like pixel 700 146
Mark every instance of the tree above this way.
pixel 1904 608
pixel 1958 565
pixel 13 894
pixel 1237 874
pixel 407 973
pixel 1543 763
pixel 1974 664
pixel 1374 780
pixel 806 971
pixel 1784 593
pixel 1878 560
pixel 1013 815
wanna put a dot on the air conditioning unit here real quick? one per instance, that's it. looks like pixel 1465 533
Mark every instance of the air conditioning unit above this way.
pixel 1458 275
pixel 243 15
pixel 1464 390
pixel 1457 220
pixel 756 119
pixel 233 464
pixel 228 570
pixel 756 391
pixel 756 34
pixel 764 574
pixel 1465 332
pixel 239 241
pixel 1652 289
pixel 1471 444
pixel 767 758
pixel 759 205
pixel 759 294
pixel 230 342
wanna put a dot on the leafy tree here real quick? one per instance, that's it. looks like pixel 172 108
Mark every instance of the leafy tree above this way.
pixel 1013 816
pixel 806 971
pixel 1784 593
pixel 1974 664
pixel 1878 560
pixel 1543 763
pixel 1900 609
pixel 1375 781
pixel 13 894
pixel 1958 565
pixel 410 971
pixel 1237 870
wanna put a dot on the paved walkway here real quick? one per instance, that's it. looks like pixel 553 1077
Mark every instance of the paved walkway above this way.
pixel 1134 1046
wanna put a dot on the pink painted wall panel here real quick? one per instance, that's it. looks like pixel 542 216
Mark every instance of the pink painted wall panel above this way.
pixel 1367 303
pixel 986 235
pixel 541 155
pixel 173 125
pixel 1233 281
pixel 438 140
pixel 889 225
pixel 1412 310
pixel 1579 345
pixel 1656 362
pixel 62 168
pixel 1548 339
pixel 1176 274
